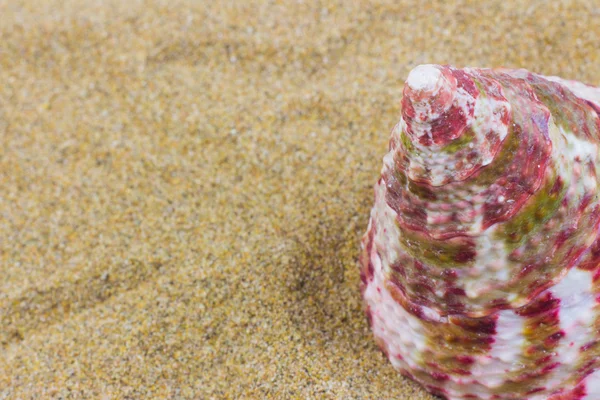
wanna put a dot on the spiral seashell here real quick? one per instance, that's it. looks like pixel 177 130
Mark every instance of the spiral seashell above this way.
pixel 480 266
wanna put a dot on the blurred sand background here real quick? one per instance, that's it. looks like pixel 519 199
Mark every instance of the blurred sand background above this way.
pixel 183 184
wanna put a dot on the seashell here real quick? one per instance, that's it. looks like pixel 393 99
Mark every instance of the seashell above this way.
pixel 480 265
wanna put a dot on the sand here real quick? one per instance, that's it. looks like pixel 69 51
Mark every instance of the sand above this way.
pixel 183 185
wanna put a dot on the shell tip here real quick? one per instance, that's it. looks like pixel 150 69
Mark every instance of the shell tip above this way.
pixel 424 77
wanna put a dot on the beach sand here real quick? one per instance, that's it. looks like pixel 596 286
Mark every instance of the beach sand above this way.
pixel 183 184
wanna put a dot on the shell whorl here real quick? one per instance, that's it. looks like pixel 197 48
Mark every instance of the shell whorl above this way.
pixel 485 226
pixel 454 123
